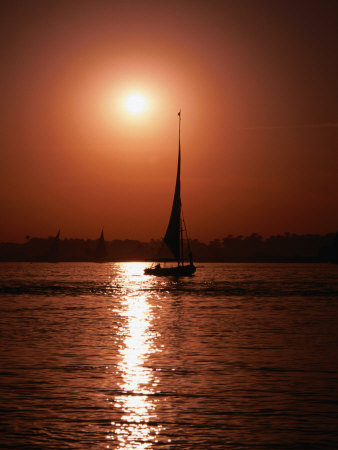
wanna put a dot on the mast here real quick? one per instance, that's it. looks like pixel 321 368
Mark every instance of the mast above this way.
pixel 172 237
pixel 179 131
pixel 179 153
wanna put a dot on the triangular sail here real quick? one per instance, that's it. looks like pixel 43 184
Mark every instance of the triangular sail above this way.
pixel 172 235
pixel 101 247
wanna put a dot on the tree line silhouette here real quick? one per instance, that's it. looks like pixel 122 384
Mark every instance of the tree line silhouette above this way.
pixel 253 248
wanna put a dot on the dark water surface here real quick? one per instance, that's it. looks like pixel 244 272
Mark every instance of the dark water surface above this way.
pixel 239 356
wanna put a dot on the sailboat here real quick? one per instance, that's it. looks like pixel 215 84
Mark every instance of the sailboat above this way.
pixel 101 251
pixel 174 238
pixel 52 253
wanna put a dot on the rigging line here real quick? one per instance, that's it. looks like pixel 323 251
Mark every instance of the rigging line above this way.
pixel 186 231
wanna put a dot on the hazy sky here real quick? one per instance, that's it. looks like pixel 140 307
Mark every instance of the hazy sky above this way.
pixel 257 85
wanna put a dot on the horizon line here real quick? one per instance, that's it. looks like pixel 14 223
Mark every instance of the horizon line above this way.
pixel 234 236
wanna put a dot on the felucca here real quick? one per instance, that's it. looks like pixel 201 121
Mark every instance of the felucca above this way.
pixel 174 236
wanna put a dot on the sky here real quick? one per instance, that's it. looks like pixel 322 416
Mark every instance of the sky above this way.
pixel 256 82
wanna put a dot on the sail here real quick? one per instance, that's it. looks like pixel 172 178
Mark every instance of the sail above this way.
pixel 172 235
pixel 101 251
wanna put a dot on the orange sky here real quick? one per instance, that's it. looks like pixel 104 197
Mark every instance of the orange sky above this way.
pixel 257 85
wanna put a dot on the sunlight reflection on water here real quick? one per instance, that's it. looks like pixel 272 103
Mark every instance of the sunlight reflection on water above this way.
pixel 138 382
pixel 102 356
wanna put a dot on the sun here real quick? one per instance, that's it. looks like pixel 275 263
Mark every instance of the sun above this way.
pixel 136 103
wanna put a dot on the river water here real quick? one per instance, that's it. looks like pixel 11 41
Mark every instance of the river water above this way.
pixel 239 356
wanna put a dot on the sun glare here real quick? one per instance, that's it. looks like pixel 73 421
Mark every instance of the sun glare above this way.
pixel 136 104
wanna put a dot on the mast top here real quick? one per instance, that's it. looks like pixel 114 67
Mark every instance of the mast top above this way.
pixel 179 129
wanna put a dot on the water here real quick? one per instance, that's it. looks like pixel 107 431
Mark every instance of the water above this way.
pixel 240 356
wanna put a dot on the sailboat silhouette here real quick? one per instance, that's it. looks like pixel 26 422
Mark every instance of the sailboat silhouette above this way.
pixel 52 254
pixel 101 251
pixel 174 238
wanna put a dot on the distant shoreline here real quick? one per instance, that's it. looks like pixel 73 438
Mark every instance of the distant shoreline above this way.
pixel 286 248
pixel 275 260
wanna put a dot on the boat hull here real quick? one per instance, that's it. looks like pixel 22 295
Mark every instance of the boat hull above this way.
pixel 176 271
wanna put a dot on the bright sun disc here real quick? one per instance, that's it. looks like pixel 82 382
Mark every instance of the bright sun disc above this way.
pixel 136 104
